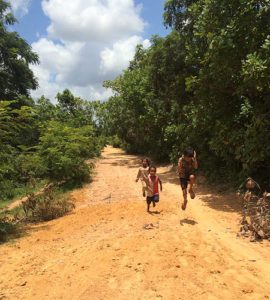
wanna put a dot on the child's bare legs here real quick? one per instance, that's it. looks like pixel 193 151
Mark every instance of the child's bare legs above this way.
pixel 184 183
pixel 155 199
pixel 148 201
pixel 191 183
pixel 143 188
pixel 184 205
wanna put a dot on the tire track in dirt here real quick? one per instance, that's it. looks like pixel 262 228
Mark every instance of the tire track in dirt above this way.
pixel 108 249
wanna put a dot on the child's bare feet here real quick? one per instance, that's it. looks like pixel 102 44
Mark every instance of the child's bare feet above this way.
pixel 192 194
pixel 184 205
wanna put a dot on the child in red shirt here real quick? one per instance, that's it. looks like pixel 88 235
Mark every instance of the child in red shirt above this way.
pixel 152 188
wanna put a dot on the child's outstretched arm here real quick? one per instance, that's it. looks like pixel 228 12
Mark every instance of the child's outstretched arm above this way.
pixel 138 175
pixel 179 166
pixel 195 161
pixel 160 183
pixel 148 184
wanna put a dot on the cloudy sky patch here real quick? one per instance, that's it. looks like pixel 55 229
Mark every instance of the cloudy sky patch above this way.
pixel 84 42
pixel 20 7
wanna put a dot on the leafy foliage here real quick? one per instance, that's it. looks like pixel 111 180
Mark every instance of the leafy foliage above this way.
pixel 57 144
pixel 13 123
pixel 16 78
pixel 62 151
pixel 206 84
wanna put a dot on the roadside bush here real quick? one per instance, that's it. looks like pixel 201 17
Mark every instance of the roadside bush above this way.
pixel 46 206
pixel 11 177
pixel 62 152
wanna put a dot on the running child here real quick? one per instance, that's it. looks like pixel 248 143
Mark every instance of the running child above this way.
pixel 186 165
pixel 143 173
pixel 152 188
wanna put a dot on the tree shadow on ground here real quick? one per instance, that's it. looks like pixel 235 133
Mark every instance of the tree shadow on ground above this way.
pixel 33 227
pixel 121 154
pixel 225 202
pixel 22 230
pixel 129 163
pixel 169 176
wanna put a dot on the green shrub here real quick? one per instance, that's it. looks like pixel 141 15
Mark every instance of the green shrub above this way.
pixel 62 152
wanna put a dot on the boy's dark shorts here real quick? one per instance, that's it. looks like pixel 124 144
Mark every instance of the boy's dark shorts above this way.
pixel 184 182
pixel 154 198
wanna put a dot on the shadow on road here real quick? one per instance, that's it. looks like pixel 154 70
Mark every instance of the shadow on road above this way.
pixel 187 221
pixel 154 212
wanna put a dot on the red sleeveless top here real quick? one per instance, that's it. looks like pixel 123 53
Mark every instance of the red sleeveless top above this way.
pixel 154 184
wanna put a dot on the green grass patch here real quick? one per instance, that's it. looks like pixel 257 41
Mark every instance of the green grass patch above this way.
pixel 20 192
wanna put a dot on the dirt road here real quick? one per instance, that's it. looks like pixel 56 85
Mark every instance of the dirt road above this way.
pixel 111 248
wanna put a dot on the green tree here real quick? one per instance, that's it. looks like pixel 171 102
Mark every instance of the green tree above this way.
pixel 149 98
pixel 16 78
pixel 13 124
pixel 62 152
pixel 74 110
pixel 227 45
pixel 206 84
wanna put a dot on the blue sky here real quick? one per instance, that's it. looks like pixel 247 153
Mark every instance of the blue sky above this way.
pixel 81 43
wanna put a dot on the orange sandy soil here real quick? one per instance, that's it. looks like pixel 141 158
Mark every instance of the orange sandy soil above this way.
pixel 109 247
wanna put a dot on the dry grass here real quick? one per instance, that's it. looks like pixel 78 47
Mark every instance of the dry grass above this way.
pixel 46 206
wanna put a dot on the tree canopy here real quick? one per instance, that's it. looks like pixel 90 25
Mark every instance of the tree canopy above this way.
pixel 206 85
pixel 16 78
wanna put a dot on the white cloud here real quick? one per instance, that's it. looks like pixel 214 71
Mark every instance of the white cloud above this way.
pixel 56 57
pixel 99 20
pixel 114 60
pixel 50 88
pixel 20 7
pixel 88 42
pixel 47 86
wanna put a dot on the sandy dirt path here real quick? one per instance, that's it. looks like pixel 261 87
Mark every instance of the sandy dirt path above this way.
pixel 110 248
